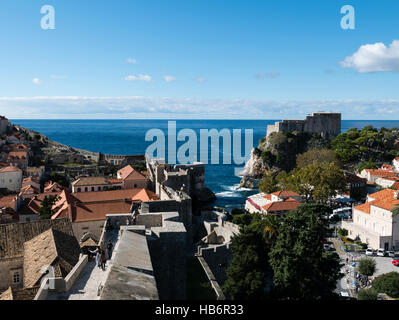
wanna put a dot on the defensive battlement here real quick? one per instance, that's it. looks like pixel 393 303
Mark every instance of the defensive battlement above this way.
pixel 327 124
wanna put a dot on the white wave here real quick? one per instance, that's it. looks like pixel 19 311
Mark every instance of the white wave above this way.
pixel 228 194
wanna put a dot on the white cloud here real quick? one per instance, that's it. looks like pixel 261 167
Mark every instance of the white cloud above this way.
pixel 200 80
pixel 169 78
pixel 37 81
pixel 80 107
pixel 140 77
pixel 374 58
pixel 131 60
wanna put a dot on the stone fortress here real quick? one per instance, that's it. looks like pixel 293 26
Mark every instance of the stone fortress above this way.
pixel 327 124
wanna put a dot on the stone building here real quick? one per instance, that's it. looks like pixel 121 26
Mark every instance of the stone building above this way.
pixel 92 184
pixel 12 240
pixel 19 159
pixel 373 222
pixel 11 178
pixel 87 210
pixel 131 178
pixel 327 124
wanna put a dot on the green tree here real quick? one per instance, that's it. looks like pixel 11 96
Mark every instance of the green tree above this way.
pixel 247 271
pixel 243 219
pixel 313 156
pixel 387 283
pixel 46 210
pixel 317 182
pixel 342 232
pixel 59 178
pixel 366 165
pixel 366 266
pixel 302 269
pixel 367 294
pixel 268 183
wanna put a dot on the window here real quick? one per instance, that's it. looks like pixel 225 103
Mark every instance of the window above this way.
pixel 79 189
pixel 135 185
pixel 15 277
pixel 382 230
pixel 86 189
pixel 92 188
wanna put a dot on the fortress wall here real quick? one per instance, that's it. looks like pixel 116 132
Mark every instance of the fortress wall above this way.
pixel 327 124
pixel 218 259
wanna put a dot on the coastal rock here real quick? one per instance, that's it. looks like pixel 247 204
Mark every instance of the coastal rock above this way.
pixel 253 170
pixel 248 182
pixel 205 195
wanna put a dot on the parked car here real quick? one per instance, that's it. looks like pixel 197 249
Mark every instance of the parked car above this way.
pixel 392 254
pixel 395 262
pixel 326 246
pixel 381 252
pixel 369 252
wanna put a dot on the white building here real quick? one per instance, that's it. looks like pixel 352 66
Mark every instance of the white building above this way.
pixel 277 202
pixel 373 222
pixel 395 163
pixel 11 178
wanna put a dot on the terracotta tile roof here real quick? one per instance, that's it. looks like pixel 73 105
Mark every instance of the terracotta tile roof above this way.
pixel 29 189
pixel 113 195
pixel 387 204
pixel 268 196
pixel 387 166
pixel 51 186
pixel 282 205
pixel 285 193
pixel 10 169
pixel 13 235
pixel 128 173
pixel 8 201
pixel 90 181
pixel 94 206
pixel 379 172
pixel 18 154
pixel 365 207
pixel 50 248
pixel 395 185
pixel 19 294
pixel 21 146
pixel 98 211
pixel 30 179
pixel 382 194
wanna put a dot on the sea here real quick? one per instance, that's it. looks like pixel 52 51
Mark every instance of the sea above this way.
pixel 127 137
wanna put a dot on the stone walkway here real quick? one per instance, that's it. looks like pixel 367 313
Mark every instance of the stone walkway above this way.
pixel 89 284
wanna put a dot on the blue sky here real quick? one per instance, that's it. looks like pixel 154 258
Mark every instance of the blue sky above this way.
pixel 199 59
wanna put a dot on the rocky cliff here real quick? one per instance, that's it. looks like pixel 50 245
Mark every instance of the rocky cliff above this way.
pixel 278 152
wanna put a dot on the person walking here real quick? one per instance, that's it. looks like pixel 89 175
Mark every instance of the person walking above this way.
pixel 103 259
pixel 109 248
pixel 98 256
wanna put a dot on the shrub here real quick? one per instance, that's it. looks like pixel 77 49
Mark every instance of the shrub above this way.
pixel 387 283
pixel 367 266
pixel 367 294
